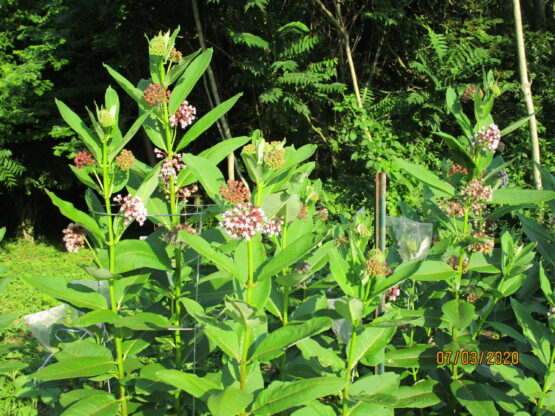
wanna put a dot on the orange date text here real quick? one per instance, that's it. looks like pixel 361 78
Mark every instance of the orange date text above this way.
pixel 477 357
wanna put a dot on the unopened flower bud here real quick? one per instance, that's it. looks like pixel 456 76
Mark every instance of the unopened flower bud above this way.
pixel 106 119
pixel 158 46
pixel 125 160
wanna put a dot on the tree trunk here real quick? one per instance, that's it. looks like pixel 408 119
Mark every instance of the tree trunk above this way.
pixel 527 91
pixel 215 92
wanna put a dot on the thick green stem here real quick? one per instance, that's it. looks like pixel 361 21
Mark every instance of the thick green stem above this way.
pixel 462 254
pixel 350 368
pixel 246 337
pixel 112 260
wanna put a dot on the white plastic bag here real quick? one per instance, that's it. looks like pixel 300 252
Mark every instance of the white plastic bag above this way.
pixel 413 238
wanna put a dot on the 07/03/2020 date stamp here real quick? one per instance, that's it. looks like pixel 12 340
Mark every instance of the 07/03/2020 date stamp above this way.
pixel 477 357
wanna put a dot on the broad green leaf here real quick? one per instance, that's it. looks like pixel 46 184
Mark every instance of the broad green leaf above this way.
pixel 207 121
pixel 509 404
pixel 176 70
pixel 432 270
pixel 67 209
pixel 83 175
pixel 76 367
pixel 474 397
pixel 458 152
pixel 537 233
pixel 401 272
pixel 73 396
pixel 219 152
pixel 314 409
pixel 419 396
pixel 136 254
pixel 126 288
pixel 426 176
pixel 203 247
pixel 418 356
pixel 369 342
pixel 207 173
pixel 75 122
pixel 280 396
pixel 278 341
pixel 143 321
pixel 77 295
pixel 515 377
pixel 327 357
pixel 513 196
pixel 192 384
pixel 96 317
pixel 289 255
pixel 133 347
pixel 459 312
pixel 386 383
pixel 86 347
pixel 94 405
pixel 340 271
pixel 229 402
pixel 188 80
pixel 133 92
pixel 427 318
pixel 536 333
pixel 226 339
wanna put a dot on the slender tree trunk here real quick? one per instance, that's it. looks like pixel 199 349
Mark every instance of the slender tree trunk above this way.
pixel 215 92
pixel 526 90
pixel 339 23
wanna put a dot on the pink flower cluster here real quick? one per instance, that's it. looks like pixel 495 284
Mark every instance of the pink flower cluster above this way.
pixel 132 208
pixel 74 237
pixel 476 189
pixel 156 94
pixel 185 115
pixel 487 138
pixel 393 293
pixel 235 192
pixel 273 226
pixel 246 219
pixel 83 159
pixel 170 167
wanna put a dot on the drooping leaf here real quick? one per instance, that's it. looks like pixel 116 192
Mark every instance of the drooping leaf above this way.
pixel 420 395
pixel 94 405
pixel 278 341
pixel 426 176
pixel 136 254
pixel 76 367
pixel 194 385
pixel 229 402
pixel 280 396
pixel 472 396
pixel 77 295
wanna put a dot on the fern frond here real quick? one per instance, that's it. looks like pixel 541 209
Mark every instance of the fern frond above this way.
pixel 270 96
pixel 438 42
pixel 10 169
pixel 299 78
pixel 286 66
pixel 248 39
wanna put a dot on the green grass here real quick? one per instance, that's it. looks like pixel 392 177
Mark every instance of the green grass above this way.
pixel 39 259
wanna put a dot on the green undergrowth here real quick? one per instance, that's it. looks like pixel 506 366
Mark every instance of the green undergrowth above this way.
pixel 39 259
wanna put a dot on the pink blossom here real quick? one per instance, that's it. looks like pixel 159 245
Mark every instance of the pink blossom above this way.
pixel 487 139
pixel 185 115
pixel 74 237
pixel 393 293
pixel 243 221
pixel 273 226
pixel 132 208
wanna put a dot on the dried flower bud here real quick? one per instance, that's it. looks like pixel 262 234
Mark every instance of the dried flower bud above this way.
pixel 456 168
pixel 485 246
pixel 83 159
pixel 476 189
pixel 175 56
pixel 322 213
pixel 340 241
pixel 125 160
pixel 452 207
pixel 393 293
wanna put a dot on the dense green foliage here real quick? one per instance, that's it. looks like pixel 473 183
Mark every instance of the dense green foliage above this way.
pixel 287 59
